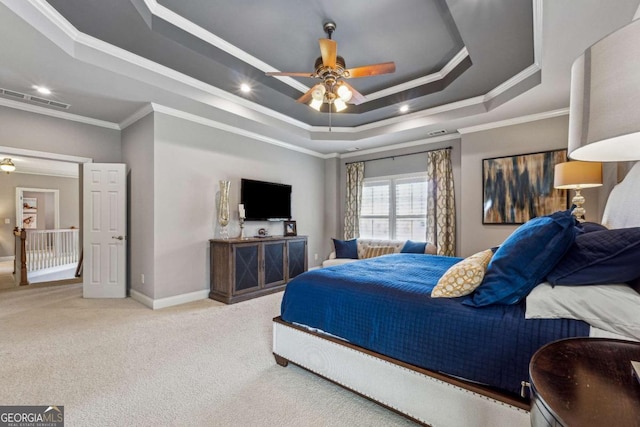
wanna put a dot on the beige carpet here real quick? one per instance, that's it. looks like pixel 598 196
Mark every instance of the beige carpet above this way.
pixel 117 363
pixel 6 275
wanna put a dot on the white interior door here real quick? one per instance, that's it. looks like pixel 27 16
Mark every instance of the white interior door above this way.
pixel 104 230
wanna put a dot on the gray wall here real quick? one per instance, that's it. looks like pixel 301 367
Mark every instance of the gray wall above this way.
pixel 332 223
pixel 30 131
pixel 542 135
pixel 137 153
pixel 189 160
pixel 407 163
pixel 37 132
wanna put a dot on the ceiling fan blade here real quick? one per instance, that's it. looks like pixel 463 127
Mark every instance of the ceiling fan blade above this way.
pixel 304 99
pixel 356 97
pixel 278 73
pixel 329 52
pixel 371 70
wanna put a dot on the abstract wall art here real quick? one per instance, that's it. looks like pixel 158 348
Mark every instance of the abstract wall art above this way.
pixel 518 188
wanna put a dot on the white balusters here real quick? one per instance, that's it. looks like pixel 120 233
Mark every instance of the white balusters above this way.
pixel 52 248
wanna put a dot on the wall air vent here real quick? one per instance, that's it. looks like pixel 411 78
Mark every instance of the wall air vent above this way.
pixel 12 94
pixel 437 132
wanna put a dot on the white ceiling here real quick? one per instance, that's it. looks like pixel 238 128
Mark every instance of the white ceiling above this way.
pixel 110 87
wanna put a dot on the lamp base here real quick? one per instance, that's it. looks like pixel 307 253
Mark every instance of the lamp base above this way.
pixel 578 200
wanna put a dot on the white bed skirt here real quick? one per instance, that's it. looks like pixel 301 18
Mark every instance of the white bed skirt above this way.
pixel 426 399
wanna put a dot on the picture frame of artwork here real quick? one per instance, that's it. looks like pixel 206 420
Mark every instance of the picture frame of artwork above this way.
pixel 290 228
pixel 518 188
pixel 29 205
pixel 29 221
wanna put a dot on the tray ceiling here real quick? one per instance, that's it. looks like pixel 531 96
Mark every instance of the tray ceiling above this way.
pixel 456 61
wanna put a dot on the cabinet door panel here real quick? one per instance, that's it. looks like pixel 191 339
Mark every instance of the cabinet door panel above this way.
pixel 297 251
pixel 274 263
pixel 246 267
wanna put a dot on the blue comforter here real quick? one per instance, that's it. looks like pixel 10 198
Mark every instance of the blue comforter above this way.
pixel 383 304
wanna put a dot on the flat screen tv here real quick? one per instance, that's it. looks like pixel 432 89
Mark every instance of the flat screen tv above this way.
pixel 265 200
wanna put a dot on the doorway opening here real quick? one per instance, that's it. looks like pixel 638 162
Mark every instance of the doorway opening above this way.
pixel 43 197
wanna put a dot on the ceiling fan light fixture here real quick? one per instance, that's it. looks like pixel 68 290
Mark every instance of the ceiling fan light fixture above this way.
pixel 339 104
pixel 344 93
pixel 316 104
pixel 318 93
pixel 7 165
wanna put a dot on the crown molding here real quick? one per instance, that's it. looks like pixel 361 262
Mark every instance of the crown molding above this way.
pixel 190 27
pixel 57 114
pixel 409 144
pixel 232 129
pixel 88 49
pixel 514 121
pixel 44 155
pixel 433 77
pixel 144 111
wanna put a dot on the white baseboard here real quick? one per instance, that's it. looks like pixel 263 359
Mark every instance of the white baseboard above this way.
pixel 7 258
pixel 156 304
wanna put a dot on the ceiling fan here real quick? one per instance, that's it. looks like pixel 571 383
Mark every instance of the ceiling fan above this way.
pixel 331 69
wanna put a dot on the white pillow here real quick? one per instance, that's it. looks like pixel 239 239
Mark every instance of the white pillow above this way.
pixel 614 308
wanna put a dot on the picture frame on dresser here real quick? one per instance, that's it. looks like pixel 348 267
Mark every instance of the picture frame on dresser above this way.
pixel 290 228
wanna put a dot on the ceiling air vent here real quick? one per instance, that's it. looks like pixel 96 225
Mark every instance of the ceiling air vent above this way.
pixel 13 94
pixel 33 99
pixel 437 132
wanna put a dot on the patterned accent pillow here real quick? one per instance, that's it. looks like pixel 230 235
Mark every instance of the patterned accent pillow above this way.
pixel 374 251
pixel 464 277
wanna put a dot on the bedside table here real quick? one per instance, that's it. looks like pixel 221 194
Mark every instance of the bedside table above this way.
pixel 585 382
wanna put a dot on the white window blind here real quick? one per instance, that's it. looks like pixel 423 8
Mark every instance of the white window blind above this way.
pixel 394 208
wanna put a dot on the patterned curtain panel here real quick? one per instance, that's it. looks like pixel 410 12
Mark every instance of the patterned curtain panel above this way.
pixel 355 176
pixel 441 209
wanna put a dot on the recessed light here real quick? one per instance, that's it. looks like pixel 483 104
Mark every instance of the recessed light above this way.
pixel 404 108
pixel 43 90
pixel 245 88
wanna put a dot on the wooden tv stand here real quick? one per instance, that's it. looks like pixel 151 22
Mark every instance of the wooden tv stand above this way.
pixel 242 269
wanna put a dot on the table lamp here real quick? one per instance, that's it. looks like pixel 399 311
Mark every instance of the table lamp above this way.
pixel 576 176
pixel 604 114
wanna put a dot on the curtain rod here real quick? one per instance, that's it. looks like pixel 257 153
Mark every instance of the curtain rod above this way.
pixel 400 155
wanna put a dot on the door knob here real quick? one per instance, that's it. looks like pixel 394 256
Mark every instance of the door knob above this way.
pixel 118 237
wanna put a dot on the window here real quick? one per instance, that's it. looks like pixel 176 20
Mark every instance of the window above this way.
pixel 394 208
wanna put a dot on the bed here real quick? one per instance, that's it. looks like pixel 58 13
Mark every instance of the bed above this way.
pixel 372 327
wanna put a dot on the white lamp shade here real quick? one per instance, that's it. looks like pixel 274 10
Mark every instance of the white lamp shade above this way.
pixel 344 93
pixel 339 104
pixel 572 175
pixel 604 117
pixel 318 92
pixel 316 104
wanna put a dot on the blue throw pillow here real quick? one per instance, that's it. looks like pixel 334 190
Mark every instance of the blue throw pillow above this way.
pixel 411 247
pixel 599 257
pixel 346 248
pixel 524 259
